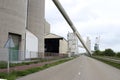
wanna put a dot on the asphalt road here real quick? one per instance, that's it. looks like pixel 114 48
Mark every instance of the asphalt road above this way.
pixel 82 68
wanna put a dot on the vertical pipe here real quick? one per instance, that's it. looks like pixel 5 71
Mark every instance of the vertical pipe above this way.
pixel 26 29
pixel 27 14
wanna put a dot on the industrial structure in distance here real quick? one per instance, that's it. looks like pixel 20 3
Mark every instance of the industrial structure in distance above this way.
pixel 25 33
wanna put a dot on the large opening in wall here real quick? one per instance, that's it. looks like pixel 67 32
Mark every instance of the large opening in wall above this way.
pixel 14 51
pixel 52 45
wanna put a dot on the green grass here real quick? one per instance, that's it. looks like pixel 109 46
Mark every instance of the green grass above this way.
pixel 117 65
pixel 3 64
pixel 15 74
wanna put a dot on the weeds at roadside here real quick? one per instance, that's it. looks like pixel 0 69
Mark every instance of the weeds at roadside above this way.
pixel 15 74
pixel 117 65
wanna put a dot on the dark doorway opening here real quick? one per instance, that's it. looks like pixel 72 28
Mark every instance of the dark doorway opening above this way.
pixel 52 45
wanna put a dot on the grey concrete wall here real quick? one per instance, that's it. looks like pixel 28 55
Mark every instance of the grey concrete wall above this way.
pixel 63 48
pixel 12 19
pixel 4 54
pixel 47 28
pixel 36 21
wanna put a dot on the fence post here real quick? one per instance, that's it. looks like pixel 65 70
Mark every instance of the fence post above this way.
pixel 8 63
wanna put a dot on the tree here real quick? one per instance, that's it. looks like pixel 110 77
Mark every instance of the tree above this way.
pixel 97 52
pixel 109 52
pixel 118 54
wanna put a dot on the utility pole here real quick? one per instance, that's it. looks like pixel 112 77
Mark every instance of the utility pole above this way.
pixel 63 12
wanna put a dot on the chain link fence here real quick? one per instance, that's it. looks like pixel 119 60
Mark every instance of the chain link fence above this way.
pixel 22 56
pixel 13 60
pixel 10 58
pixel 4 54
pixel 18 56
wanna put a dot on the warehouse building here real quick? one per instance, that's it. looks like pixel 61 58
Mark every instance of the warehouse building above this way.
pixel 55 44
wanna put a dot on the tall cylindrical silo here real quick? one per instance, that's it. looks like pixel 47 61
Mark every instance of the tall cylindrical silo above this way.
pixel 36 21
pixel 13 23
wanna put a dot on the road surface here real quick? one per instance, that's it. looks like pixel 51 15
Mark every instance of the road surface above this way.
pixel 81 68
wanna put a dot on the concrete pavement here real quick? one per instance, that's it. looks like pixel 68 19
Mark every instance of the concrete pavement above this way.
pixel 81 68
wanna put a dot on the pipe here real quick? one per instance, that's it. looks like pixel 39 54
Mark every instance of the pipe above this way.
pixel 63 12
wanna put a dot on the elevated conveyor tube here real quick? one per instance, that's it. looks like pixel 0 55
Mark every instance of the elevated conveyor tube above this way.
pixel 61 9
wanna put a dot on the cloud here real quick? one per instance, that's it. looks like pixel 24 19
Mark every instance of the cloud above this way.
pixel 91 18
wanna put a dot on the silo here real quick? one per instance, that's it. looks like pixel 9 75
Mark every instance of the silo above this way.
pixel 13 23
pixel 36 21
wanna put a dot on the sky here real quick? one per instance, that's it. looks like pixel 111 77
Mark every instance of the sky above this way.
pixel 92 18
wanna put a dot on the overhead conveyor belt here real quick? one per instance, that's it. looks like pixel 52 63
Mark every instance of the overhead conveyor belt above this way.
pixel 63 12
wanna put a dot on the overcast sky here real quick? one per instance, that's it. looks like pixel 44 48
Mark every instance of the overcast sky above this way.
pixel 92 18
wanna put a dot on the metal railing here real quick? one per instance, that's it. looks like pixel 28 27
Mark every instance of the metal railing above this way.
pixel 10 58
pixel 17 55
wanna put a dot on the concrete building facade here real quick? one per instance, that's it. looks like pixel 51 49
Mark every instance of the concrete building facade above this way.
pixel 47 28
pixel 13 22
pixel 31 46
pixel 36 21
pixel 18 15
pixel 72 43
pixel 63 46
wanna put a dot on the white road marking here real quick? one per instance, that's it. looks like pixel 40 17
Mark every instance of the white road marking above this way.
pixel 3 79
pixel 77 77
pixel 79 73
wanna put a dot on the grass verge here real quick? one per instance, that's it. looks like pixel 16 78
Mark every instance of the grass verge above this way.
pixel 117 65
pixel 15 74
pixel 3 64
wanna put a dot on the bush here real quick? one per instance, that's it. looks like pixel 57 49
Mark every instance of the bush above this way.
pixel 109 52
pixel 3 75
pixel 3 64
pixel 118 54
pixel 34 69
pixel 21 73
pixel 97 52
pixel 11 77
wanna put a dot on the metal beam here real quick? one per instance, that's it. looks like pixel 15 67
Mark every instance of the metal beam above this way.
pixel 63 12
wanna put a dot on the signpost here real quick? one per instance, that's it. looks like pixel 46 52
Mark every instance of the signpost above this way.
pixel 9 44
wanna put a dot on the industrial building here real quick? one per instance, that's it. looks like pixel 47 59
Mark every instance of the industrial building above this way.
pixel 20 19
pixel 72 44
pixel 36 21
pixel 97 43
pixel 88 43
pixel 55 44
pixel 47 28
pixel 31 46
